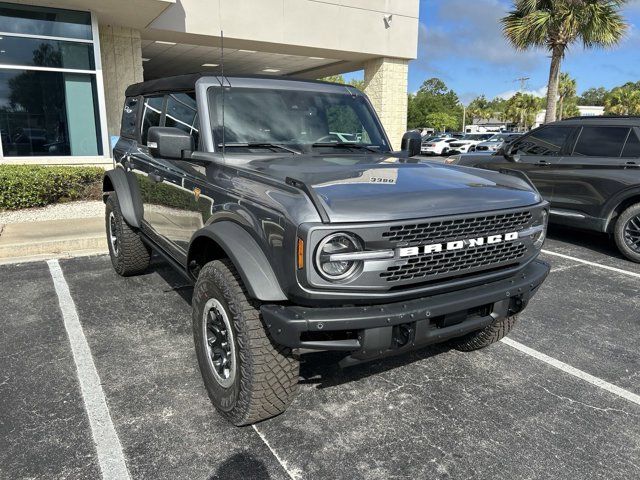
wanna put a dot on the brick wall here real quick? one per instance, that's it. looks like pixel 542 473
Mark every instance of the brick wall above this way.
pixel 121 53
pixel 386 85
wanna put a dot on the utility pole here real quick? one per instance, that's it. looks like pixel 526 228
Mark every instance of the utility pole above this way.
pixel 464 118
pixel 523 82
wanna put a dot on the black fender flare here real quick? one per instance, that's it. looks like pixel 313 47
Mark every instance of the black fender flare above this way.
pixel 247 256
pixel 128 193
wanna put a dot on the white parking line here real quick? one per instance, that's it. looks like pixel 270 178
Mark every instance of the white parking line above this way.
pixel 283 464
pixel 109 450
pixel 593 264
pixel 609 387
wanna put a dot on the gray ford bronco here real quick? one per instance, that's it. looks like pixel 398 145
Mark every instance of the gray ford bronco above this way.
pixel 282 201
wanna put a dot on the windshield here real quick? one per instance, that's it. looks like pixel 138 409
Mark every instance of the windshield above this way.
pixel 303 120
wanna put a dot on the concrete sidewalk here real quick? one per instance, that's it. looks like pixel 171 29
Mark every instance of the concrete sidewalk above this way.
pixel 52 238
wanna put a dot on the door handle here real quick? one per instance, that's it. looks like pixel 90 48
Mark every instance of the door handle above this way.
pixel 156 177
pixel 632 164
pixel 543 163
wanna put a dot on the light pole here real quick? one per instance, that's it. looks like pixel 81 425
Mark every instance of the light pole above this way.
pixel 464 118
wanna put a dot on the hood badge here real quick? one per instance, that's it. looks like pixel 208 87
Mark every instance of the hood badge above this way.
pixel 457 245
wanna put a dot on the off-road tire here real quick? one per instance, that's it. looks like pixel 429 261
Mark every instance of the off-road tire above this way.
pixel 483 338
pixel 618 233
pixel 132 255
pixel 266 374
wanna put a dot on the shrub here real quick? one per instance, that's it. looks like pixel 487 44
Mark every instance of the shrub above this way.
pixel 26 186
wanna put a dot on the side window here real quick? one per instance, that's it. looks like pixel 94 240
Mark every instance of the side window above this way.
pixel 545 141
pixel 601 141
pixel 129 117
pixel 151 116
pixel 182 113
pixel 632 148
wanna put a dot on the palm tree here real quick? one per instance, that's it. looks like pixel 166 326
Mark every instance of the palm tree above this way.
pixel 623 101
pixel 567 88
pixel 557 24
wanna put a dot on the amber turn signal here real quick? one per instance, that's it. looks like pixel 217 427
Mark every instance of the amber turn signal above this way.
pixel 300 254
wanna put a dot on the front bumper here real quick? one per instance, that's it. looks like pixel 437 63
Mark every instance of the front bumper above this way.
pixel 379 330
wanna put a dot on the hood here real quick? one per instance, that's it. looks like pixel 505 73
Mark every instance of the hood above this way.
pixel 356 188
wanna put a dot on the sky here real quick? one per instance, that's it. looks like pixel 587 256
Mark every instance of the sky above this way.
pixel 461 42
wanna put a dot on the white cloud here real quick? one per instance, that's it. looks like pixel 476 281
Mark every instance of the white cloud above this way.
pixel 471 30
pixel 538 92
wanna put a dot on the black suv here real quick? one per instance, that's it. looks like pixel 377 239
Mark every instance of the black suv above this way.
pixel 588 168
pixel 299 240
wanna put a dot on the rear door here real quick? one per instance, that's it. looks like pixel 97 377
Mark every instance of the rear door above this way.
pixel 538 155
pixel 596 169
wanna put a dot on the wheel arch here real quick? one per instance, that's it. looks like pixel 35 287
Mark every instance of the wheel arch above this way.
pixel 619 205
pixel 126 188
pixel 227 239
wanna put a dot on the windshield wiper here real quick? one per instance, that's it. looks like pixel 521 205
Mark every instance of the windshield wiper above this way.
pixel 348 145
pixel 260 145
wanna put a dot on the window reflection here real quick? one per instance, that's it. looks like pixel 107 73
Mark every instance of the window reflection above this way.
pixel 38 110
pixel 46 53
pixel 51 22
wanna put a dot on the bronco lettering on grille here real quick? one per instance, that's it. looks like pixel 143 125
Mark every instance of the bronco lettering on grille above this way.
pixel 457 245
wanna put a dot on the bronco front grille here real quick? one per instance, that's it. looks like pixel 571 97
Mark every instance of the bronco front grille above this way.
pixel 456 229
pixel 459 262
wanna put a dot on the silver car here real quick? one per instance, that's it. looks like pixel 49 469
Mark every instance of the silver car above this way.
pixel 495 143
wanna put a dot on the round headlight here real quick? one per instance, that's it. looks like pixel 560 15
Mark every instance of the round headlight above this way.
pixel 337 243
pixel 539 238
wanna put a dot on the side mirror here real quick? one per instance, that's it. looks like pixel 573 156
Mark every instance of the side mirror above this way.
pixel 411 143
pixel 168 142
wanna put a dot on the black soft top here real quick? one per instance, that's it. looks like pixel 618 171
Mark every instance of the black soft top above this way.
pixel 178 83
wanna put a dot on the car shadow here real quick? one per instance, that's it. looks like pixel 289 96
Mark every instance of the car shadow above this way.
pixel 590 240
pixel 323 370
pixel 241 466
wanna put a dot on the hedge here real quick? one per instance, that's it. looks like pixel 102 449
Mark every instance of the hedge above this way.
pixel 26 186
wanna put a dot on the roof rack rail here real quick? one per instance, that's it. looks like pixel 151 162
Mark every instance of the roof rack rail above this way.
pixel 612 117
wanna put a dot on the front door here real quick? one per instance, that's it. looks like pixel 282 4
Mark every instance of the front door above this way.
pixel 596 169
pixel 173 208
pixel 538 155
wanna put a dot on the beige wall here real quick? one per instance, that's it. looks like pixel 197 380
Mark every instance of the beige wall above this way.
pixel 121 66
pixel 386 86
pixel 345 26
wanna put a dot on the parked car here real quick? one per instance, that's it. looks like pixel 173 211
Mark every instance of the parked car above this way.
pixel 587 168
pixel 298 241
pixel 463 144
pixel 437 146
pixel 495 143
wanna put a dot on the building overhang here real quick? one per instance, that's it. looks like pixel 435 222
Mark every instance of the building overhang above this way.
pixel 136 14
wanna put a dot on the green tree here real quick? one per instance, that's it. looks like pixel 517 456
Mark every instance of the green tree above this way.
pixel 359 84
pixel 433 97
pixel 522 109
pixel 567 89
pixel 441 121
pixel 557 24
pixel 480 109
pixel 593 96
pixel 623 100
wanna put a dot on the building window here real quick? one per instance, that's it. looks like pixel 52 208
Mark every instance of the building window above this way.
pixel 48 94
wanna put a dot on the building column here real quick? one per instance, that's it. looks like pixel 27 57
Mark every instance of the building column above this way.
pixel 121 54
pixel 385 81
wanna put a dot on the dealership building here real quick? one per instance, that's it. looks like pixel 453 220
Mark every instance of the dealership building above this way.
pixel 65 64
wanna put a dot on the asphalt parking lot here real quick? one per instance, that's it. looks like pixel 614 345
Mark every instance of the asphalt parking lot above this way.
pixel 558 400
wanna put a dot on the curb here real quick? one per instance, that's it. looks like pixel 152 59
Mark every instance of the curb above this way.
pixel 52 237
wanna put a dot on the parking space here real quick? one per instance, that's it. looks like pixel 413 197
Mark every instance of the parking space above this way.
pixel 436 413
